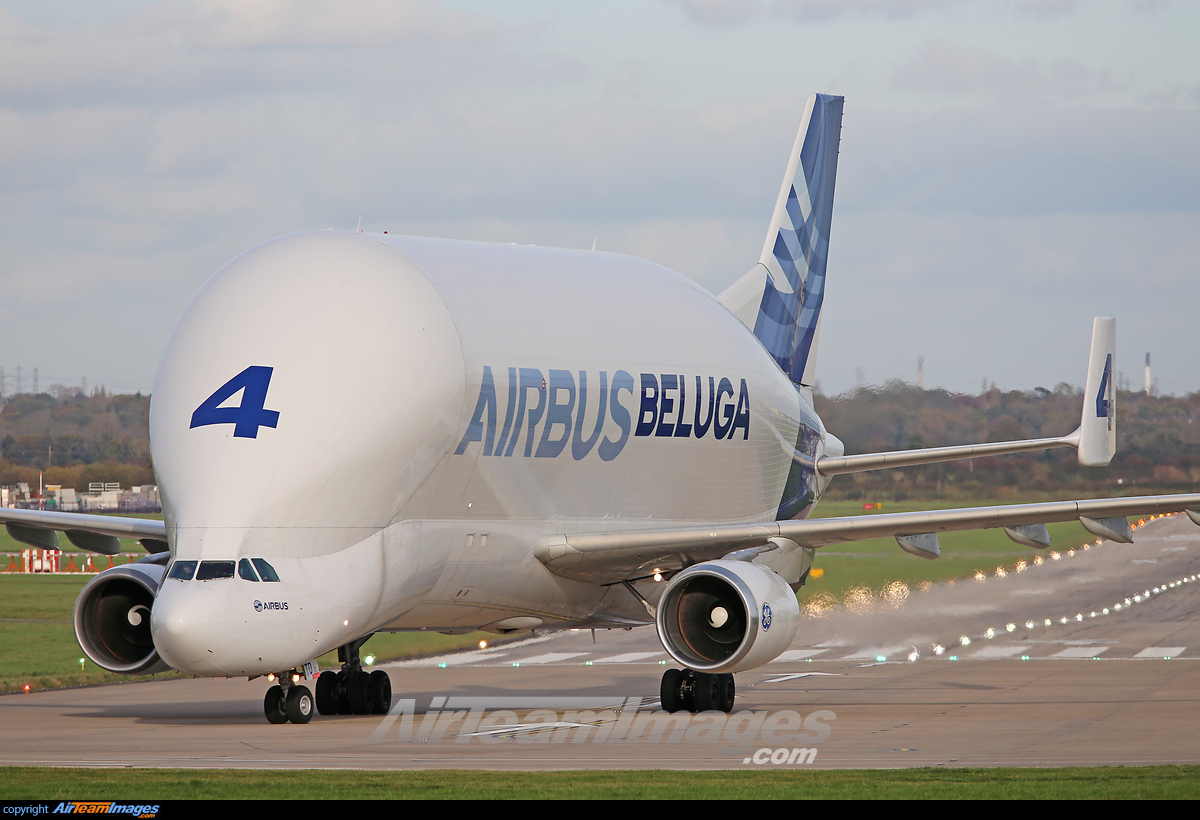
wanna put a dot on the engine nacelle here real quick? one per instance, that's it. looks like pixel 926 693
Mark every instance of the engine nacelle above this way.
pixel 112 617
pixel 725 616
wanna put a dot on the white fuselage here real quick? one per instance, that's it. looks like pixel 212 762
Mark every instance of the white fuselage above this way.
pixel 437 413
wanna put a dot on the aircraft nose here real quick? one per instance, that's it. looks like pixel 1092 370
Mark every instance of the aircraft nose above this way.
pixel 187 623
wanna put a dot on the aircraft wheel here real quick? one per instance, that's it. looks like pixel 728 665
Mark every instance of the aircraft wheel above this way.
pixel 381 689
pixel 670 692
pixel 326 682
pixel 360 693
pixel 299 704
pixel 728 692
pixel 274 706
pixel 706 694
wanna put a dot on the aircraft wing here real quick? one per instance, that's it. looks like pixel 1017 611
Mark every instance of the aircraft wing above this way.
pixel 611 557
pixel 94 533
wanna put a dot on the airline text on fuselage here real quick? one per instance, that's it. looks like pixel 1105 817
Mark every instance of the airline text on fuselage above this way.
pixel 668 407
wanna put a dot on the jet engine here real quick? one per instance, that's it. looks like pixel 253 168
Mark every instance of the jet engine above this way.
pixel 725 616
pixel 112 617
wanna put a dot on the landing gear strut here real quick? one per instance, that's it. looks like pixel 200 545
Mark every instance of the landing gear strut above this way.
pixel 684 690
pixel 353 691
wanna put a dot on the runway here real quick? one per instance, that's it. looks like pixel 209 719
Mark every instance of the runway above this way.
pixel 863 686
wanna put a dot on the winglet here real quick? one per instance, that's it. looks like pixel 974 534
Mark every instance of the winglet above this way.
pixel 1097 431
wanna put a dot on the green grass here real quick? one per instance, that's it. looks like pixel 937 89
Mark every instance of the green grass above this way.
pixel 37 639
pixel 1099 783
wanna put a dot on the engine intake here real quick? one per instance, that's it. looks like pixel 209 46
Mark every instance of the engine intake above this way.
pixel 112 618
pixel 725 616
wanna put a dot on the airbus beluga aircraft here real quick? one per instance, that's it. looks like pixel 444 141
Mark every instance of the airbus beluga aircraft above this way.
pixel 516 438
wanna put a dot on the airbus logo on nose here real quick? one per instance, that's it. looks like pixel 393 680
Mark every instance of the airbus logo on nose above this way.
pixel 259 606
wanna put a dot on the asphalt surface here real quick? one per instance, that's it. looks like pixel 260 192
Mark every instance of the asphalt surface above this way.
pixel 863 686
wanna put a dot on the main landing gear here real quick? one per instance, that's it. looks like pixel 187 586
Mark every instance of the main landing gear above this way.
pixel 683 690
pixel 353 691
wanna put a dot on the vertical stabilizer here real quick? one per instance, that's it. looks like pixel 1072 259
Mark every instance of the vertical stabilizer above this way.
pixel 781 297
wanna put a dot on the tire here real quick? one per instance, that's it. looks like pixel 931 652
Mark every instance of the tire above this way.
pixel 706 694
pixel 381 689
pixel 728 693
pixel 669 694
pixel 326 683
pixel 360 693
pixel 300 704
pixel 274 706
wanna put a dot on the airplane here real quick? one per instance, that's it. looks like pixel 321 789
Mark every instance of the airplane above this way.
pixel 357 433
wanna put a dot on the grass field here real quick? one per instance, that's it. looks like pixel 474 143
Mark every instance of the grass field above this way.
pixel 1100 783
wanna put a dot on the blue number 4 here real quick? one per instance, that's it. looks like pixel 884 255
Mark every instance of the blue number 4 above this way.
pixel 250 415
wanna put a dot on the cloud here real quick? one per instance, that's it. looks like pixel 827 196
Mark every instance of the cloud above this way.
pixel 741 12
pixel 738 12
pixel 1027 158
pixel 721 12
pixel 1046 9
pixel 223 47
pixel 227 24
pixel 944 67
pixel 139 155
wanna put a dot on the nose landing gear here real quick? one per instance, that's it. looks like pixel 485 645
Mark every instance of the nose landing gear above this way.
pixel 685 690
pixel 295 703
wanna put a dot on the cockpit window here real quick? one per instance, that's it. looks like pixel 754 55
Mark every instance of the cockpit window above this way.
pixel 245 571
pixel 182 570
pixel 214 570
pixel 265 570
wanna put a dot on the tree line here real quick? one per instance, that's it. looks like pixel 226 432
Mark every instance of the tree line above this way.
pixel 74 439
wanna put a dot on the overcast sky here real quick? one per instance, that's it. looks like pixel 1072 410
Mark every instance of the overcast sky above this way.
pixel 1009 169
